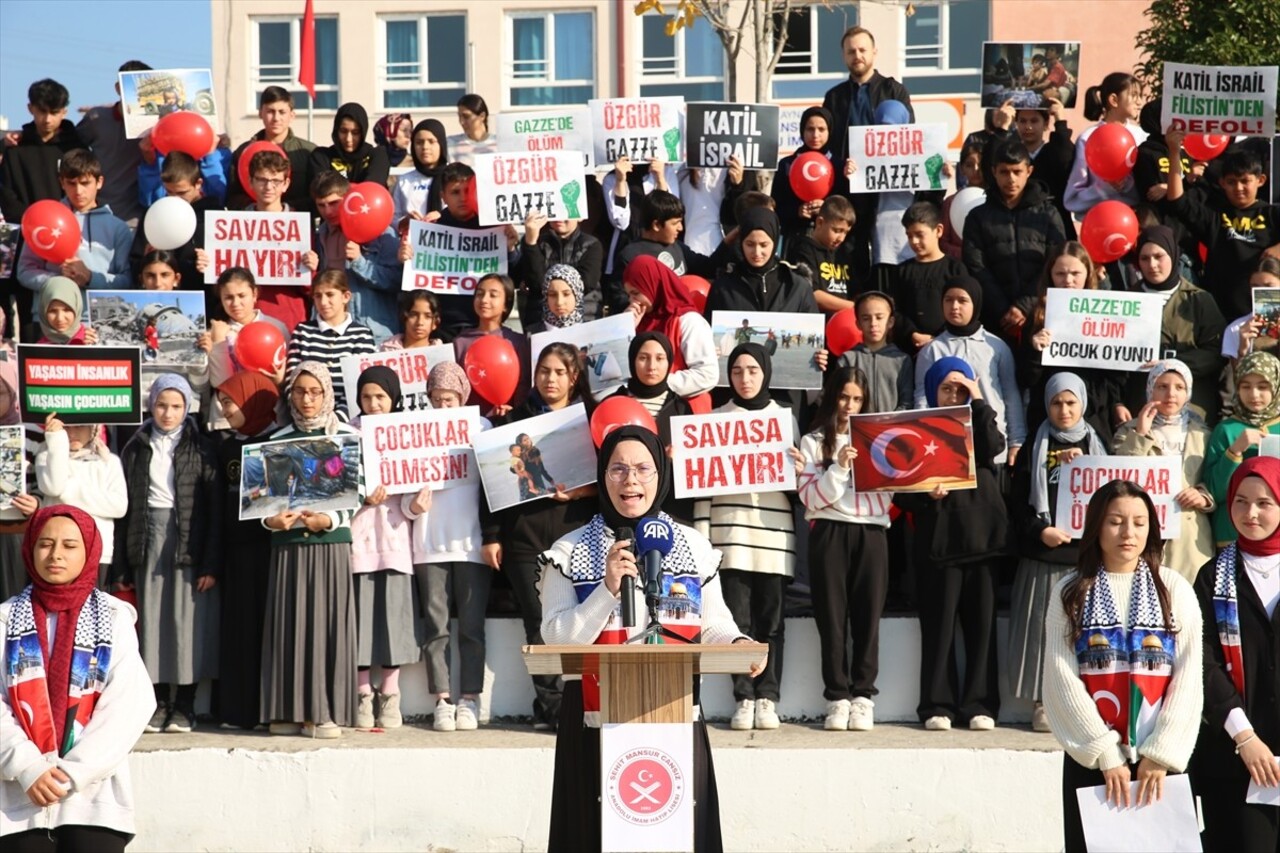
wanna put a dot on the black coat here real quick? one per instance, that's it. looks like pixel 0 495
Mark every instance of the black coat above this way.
pixel 967 525
pixel 199 501
pixel 1215 756
pixel 1052 164
pixel 838 98
pixel 1027 526
pixel 1005 248
pixel 29 170
pixel 781 288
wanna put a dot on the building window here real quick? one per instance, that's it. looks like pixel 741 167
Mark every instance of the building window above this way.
pixel 690 64
pixel 813 59
pixel 552 58
pixel 275 49
pixel 942 46
pixel 424 61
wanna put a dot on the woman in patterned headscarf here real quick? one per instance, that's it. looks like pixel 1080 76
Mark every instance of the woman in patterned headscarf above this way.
pixel 1255 413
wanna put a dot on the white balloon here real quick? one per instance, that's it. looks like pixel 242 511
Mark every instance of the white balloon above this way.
pixel 965 200
pixel 170 223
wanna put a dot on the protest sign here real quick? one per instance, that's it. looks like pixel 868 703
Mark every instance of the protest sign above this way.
pixel 1108 329
pixel 165 323
pixel 904 157
pixel 913 451
pixel 269 245
pixel 511 186
pixel 315 474
pixel 532 458
pixel 791 340
pixel 603 345
pixel 450 260
pixel 412 366
pixel 565 129
pixel 407 451
pixel 84 385
pixel 1030 74
pixel 728 453
pixel 641 129
pixel 718 131
pixel 1222 99
pixel 1159 476
pixel 148 96
pixel 13 464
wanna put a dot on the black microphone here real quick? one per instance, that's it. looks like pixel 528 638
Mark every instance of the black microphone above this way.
pixel 628 583
pixel 654 542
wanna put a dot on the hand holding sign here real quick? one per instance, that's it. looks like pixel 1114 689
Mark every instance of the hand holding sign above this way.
pixel 51 230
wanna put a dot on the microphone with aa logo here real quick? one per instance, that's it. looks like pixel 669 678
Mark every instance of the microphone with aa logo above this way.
pixel 654 538
pixel 628 591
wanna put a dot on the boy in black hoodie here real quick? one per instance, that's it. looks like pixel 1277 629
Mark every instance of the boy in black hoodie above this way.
pixel 920 282
pixel 1233 223
pixel 29 170
pixel 351 155
pixel 1007 237
pixel 826 256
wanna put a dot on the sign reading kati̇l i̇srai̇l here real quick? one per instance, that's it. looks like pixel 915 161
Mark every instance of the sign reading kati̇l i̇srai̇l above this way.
pixel 1159 476
pixel 1102 328
pixel 728 453
pixel 719 131
pixel 1222 99
pixel 450 260
pixel 511 186
pixel 269 245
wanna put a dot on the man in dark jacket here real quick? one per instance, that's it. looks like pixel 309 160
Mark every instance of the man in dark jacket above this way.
pixel 1007 238
pixel 275 108
pixel 547 243
pixel 853 102
pixel 29 172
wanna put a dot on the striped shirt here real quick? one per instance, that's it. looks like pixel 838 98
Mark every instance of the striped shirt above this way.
pixel 316 340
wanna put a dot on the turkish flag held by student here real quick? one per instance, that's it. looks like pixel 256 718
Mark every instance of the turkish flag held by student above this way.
pixel 307 52
pixel 913 450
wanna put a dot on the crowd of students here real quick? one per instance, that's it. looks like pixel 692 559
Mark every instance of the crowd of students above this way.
pixel 303 621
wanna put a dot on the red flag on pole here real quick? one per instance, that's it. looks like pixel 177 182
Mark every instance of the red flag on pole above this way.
pixel 307 53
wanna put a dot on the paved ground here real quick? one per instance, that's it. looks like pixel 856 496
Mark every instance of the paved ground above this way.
pixel 509 735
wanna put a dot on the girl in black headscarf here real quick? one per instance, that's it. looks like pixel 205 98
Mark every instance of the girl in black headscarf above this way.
pixel 351 155
pixel 416 191
pixel 650 356
pixel 756 534
pixel 795 215
pixel 581 585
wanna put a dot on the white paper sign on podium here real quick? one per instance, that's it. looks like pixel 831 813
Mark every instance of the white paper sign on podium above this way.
pixel 646 787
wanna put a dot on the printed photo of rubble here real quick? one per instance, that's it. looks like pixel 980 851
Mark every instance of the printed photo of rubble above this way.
pixel 165 323
pixel 12 463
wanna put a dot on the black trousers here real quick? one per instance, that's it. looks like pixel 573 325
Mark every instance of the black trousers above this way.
pixel 1230 824
pixel 523 577
pixel 947 597
pixel 755 600
pixel 1074 777
pixel 68 839
pixel 849 573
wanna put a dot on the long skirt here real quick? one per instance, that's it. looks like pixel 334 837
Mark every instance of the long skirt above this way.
pixel 13 572
pixel 243 584
pixel 309 639
pixel 1032 590
pixel 388 630
pixel 575 790
pixel 178 625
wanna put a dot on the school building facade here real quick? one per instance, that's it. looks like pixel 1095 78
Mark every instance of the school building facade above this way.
pixel 420 56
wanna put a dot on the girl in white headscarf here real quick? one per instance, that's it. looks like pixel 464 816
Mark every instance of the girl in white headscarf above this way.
pixel 1167 426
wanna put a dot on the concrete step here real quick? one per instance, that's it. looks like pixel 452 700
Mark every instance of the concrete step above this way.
pixel 796 788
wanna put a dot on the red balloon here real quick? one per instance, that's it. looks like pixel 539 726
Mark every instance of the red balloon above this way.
pixel 261 347
pixel 617 412
pixel 1109 231
pixel 492 369
pixel 51 230
pixel 246 157
pixel 184 131
pixel 472 200
pixel 1111 152
pixel 812 176
pixel 1205 146
pixel 366 211
pixel 699 300
pixel 843 333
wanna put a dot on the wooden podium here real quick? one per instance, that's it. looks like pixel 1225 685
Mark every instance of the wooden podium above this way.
pixel 649 683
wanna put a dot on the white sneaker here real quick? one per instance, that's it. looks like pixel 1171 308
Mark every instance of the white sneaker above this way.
pixel 766 714
pixel 981 723
pixel 467 717
pixel 364 711
pixel 862 715
pixel 1040 719
pixel 837 716
pixel 744 719
pixel 445 719
pixel 938 724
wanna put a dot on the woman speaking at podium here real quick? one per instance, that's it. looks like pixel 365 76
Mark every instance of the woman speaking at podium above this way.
pixel 582 580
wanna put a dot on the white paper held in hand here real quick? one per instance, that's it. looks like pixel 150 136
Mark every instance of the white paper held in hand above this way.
pixel 1261 796
pixel 1167 826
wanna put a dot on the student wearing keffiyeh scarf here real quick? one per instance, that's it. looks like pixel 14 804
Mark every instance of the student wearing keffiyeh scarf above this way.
pixel 1238 594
